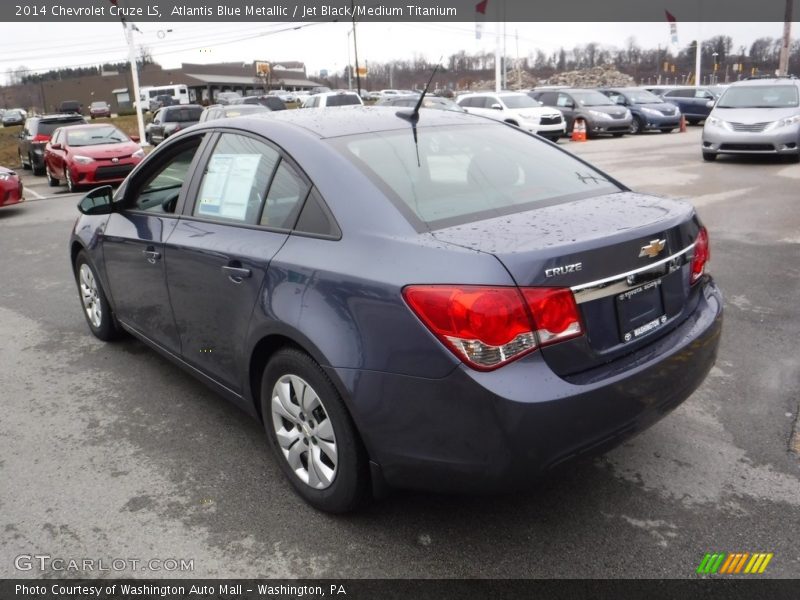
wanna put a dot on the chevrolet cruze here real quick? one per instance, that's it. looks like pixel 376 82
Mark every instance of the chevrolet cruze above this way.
pixel 429 300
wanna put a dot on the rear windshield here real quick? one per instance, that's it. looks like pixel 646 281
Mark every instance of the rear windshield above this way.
pixel 459 174
pixel 760 96
pixel 343 100
pixel 47 128
pixel 181 115
pixel 98 105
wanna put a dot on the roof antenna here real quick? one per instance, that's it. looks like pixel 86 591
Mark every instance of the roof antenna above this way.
pixel 414 115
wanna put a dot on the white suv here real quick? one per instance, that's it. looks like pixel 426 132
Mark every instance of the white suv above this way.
pixel 518 109
pixel 328 99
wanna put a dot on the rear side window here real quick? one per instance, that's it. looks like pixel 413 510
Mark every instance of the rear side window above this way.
pixel 343 100
pixel 466 173
pixel 182 115
pixel 316 219
pixel 236 179
pixel 286 194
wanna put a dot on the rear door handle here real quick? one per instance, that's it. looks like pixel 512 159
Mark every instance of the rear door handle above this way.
pixel 152 254
pixel 236 274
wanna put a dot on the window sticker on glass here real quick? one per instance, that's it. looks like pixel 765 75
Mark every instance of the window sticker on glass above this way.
pixel 226 185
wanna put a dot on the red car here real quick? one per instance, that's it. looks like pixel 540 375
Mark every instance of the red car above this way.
pixel 86 155
pixel 99 109
pixel 10 187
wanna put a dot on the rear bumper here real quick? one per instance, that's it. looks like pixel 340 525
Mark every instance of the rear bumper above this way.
pixel 492 431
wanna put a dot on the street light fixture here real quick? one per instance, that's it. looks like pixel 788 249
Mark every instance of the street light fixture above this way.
pixel 714 77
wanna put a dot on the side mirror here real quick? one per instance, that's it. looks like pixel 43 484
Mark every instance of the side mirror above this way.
pixel 710 104
pixel 55 146
pixel 136 138
pixel 98 202
pixel 497 106
pixel 620 100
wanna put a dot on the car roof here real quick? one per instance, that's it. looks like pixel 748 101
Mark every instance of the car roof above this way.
pixel 59 117
pixel 767 81
pixel 350 120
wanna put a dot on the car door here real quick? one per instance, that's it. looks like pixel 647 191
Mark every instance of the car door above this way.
pixel 157 127
pixel 219 254
pixel 566 105
pixel 682 99
pixel 55 154
pixel 133 243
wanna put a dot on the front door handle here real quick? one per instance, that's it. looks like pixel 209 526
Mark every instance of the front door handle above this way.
pixel 152 254
pixel 236 274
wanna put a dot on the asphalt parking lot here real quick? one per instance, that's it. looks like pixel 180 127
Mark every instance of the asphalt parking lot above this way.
pixel 108 451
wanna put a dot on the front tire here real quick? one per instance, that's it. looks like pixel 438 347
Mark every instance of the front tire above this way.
pixel 51 181
pixel 666 130
pixel 71 187
pixel 312 434
pixel 96 308
pixel 709 156
pixel 22 162
pixel 637 126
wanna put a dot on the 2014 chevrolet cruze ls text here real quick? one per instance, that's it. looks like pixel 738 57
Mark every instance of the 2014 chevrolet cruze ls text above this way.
pixel 438 301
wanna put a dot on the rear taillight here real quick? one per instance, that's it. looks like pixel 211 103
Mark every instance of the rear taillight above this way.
pixel 487 327
pixel 41 138
pixel 702 255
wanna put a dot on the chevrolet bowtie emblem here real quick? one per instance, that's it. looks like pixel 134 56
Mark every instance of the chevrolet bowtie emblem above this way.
pixel 115 160
pixel 652 249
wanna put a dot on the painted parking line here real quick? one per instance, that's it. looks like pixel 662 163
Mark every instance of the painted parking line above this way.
pixel 37 194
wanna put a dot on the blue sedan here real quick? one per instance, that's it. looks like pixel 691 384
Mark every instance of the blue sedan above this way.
pixel 434 300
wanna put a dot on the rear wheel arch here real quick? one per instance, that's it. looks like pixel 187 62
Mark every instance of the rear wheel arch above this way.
pixel 268 346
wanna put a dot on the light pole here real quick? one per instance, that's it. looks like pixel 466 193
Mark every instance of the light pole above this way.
pixel 349 64
pixel 714 78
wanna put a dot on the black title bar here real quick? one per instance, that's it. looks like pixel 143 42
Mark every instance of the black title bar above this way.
pixel 213 11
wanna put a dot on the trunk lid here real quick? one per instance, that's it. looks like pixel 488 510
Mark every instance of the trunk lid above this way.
pixel 625 255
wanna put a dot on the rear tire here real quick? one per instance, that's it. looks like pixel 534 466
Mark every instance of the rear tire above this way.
pixel 617 134
pixel 312 434
pixel 22 162
pixel 666 131
pixel 37 170
pixel 692 121
pixel 709 156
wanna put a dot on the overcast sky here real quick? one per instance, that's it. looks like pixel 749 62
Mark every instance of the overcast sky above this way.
pixel 325 45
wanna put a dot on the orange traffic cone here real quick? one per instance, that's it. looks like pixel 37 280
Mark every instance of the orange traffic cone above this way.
pixel 683 124
pixel 579 131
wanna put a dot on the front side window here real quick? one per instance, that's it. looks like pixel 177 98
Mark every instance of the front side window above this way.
pixel 235 180
pixel 159 190
pixel 459 174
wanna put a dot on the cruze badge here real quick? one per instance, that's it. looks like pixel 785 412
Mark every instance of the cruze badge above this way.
pixel 574 267
pixel 652 249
